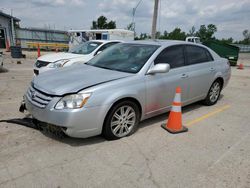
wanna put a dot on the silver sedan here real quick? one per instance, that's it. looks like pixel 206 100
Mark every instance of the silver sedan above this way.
pixel 125 84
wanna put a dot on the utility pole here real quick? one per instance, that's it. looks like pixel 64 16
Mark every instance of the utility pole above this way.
pixel 13 29
pixel 154 19
pixel 133 16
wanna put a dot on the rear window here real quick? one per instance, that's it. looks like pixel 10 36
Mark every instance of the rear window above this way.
pixel 196 54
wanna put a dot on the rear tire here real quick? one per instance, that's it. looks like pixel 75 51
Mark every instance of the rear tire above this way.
pixel 213 93
pixel 122 120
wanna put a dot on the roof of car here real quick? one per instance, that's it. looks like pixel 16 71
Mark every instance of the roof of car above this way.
pixel 162 42
pixel 106 41
pixel 153 42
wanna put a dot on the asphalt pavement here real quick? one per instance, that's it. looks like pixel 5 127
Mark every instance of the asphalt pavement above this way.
pixel 215 152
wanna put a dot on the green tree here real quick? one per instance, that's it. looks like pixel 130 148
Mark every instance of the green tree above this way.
pixel 191 32
pixel 206 32
pixel 101 23
pixel 177 34
pixel 130 27
pixel 143 36
pixel 246 35
pixel 164 36
pixel 158 35
pixel 111 25
pixel 228 41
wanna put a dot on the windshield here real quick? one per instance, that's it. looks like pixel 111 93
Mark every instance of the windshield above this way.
pixel 85 48
pixel 124 57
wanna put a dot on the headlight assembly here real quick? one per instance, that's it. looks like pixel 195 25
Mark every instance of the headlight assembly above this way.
pixel 59 63
pixel 73 101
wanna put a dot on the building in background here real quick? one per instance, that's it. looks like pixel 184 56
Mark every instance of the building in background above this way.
pixel 48 39
pixel 12 34
pixel 6 31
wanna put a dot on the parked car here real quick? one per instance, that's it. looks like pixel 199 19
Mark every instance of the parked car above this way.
pixel 125 84
pixel 81 53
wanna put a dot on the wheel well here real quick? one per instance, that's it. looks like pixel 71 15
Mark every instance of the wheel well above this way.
pixel 221 81
pixel 126 99
pixel 132 100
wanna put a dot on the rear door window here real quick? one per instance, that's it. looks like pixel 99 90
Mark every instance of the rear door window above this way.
pixel 173 55
pixel 196 54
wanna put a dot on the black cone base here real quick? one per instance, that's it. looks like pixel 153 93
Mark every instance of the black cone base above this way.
pixel 184 129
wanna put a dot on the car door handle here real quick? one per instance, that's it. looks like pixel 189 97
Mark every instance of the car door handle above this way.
pixel 212 69
pixel 184 76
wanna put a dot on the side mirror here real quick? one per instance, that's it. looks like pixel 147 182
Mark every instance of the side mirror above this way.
pixel 159 68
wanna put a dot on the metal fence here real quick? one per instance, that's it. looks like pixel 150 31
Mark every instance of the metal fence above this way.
pixel 243 48
pixel 25 36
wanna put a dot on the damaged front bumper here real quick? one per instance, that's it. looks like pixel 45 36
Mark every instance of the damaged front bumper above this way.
pixel 22 107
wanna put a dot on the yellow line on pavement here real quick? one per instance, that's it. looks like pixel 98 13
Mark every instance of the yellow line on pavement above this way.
pixel 207 115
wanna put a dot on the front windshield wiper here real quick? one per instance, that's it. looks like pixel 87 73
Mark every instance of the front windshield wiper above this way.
pixel 103 67
pixel 119 70
pixel 97 66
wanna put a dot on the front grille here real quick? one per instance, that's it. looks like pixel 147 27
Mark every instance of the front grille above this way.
pixel 40 64
pixel 37 98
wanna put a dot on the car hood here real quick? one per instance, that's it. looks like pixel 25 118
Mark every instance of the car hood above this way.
pixel 58 56
pixel 74 79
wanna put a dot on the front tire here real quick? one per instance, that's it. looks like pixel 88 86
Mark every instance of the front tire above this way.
pixel 213 93
pixel 122 120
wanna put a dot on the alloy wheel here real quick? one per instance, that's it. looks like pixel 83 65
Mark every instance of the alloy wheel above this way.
pixel 123 121
pixel 214 92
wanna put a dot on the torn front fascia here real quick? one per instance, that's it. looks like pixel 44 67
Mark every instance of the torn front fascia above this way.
pixel 22 107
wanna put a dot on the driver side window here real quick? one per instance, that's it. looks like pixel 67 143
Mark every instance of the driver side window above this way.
pixel 173 55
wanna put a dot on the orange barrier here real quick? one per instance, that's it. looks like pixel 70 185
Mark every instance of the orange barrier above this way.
pixel 241 66
pixel 174 123
pixel 7 45
pixel 51 46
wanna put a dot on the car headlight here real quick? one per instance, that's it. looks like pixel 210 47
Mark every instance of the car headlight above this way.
pixel 73 101
pixel 59 63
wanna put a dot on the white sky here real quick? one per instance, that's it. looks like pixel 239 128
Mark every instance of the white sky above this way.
pixel 230 16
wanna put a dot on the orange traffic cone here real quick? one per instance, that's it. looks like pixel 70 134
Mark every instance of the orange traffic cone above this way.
pixel 7 46
pixel 38 50
pixel 174 123
pixel 241 66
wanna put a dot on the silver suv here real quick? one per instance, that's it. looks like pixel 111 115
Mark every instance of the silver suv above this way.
pixel 125 84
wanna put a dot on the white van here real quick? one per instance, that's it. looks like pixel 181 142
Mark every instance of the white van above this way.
pixel 193 39
pixel 79 36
